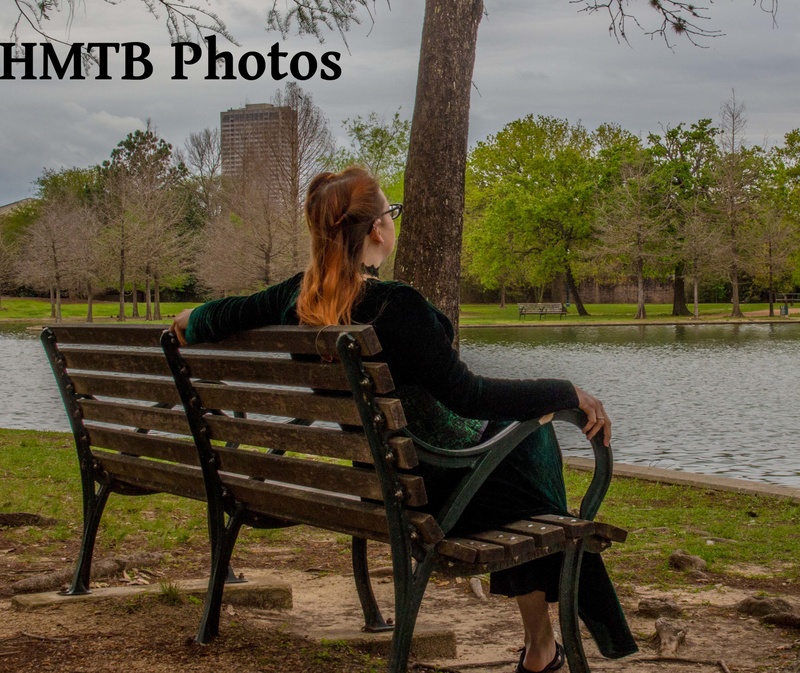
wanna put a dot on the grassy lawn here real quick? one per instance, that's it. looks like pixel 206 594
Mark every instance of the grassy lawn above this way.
pixel 25 309
pixel 491 314
pixel 39 474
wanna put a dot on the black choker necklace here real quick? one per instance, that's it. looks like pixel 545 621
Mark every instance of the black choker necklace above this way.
pixel 370 270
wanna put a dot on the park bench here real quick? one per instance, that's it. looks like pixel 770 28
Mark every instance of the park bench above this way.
pixel 304 430
pixel 542 309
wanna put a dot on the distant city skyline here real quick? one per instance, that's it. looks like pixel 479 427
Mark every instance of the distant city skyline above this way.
pixel 532 59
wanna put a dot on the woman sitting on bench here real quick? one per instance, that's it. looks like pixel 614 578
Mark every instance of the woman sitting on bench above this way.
pixel 352 233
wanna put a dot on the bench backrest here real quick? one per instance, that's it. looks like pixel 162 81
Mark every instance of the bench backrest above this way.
pixel 280 393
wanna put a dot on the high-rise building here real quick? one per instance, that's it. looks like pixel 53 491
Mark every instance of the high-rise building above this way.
pixel 261 135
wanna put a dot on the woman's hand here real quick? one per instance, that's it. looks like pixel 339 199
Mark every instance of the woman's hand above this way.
pixel 178 327
pixel 598 420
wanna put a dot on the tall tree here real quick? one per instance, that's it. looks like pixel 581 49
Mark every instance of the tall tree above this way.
pixel 735 180
pixel 202 156
pixel 686 157
pixel 308 146
pixel 8 260
pixel 632 227
pixel 537 179
pixel 140 207
pixel 702 247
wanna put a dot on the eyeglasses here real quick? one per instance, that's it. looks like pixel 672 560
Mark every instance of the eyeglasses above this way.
pixel 395 210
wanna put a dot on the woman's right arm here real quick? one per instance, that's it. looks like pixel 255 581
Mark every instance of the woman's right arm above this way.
pixel 422 352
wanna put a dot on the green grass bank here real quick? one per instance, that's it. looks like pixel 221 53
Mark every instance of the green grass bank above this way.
pixel 13 309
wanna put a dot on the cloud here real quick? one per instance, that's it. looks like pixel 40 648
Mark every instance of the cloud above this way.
pixel 533 58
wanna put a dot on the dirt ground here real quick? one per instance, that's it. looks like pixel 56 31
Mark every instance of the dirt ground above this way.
pixel 154 634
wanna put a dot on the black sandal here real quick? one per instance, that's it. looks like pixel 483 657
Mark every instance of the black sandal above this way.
pixel 556 664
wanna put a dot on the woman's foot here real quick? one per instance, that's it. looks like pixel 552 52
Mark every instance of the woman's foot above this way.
pixel 556 663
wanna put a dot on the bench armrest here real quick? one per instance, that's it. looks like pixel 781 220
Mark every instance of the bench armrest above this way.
pixel 483 458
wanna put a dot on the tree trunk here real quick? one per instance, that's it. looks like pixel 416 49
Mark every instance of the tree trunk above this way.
pixel 641 311
pixel 89 306
pixel 736 311
pixel 429 250
pixel 696 283
pixel 771 291
pixel 58 301
pixel 502 295
pixel 679 291
pixel 52 303
pixel 573 288
pixel 135 300
pixel 157 292
pixel 148 313
pixel 121 316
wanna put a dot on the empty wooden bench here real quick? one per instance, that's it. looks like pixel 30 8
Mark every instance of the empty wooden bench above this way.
pixel 542 309
pixel 303 431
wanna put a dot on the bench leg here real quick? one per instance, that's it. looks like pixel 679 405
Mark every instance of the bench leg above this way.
pixel 220 567
pixel 92 511
pixel 568 607
pixel 373 619
pixel 409 589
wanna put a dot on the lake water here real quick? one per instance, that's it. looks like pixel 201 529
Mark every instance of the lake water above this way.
pixel 714 399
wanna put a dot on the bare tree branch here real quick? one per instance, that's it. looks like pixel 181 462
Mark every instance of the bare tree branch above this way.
pixel 684 19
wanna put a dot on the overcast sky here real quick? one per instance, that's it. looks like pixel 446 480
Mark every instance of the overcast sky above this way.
pixel 537 57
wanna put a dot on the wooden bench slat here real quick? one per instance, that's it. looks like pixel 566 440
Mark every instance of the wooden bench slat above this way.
pixel 135 415
pixel 277 338
pixel 514 545
pixel 149 362
pixel 245 368
pixel 159 477
pixel 610 532
pixel 290 403
pixel 323 510
pixel 109 335
pixel 295 404
pixel 141 444
pixel 249 369
pixel 160 390
pixel 544 534
pixel 361 482
pixel 316 441
pixel 470 551
pixel 301 340
pixel 573 526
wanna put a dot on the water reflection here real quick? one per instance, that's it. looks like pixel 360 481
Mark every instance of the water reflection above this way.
pixel 716 399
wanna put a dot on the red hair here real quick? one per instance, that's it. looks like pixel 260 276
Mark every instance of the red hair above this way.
pixel 340 211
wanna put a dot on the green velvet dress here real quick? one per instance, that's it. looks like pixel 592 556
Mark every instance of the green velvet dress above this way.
pixel 448 405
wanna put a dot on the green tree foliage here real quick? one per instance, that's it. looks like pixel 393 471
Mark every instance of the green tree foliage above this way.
pixel 380 146
pixel 533 185
pixel 686 157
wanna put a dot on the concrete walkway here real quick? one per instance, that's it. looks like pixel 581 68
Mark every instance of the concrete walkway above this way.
pixel 706 481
